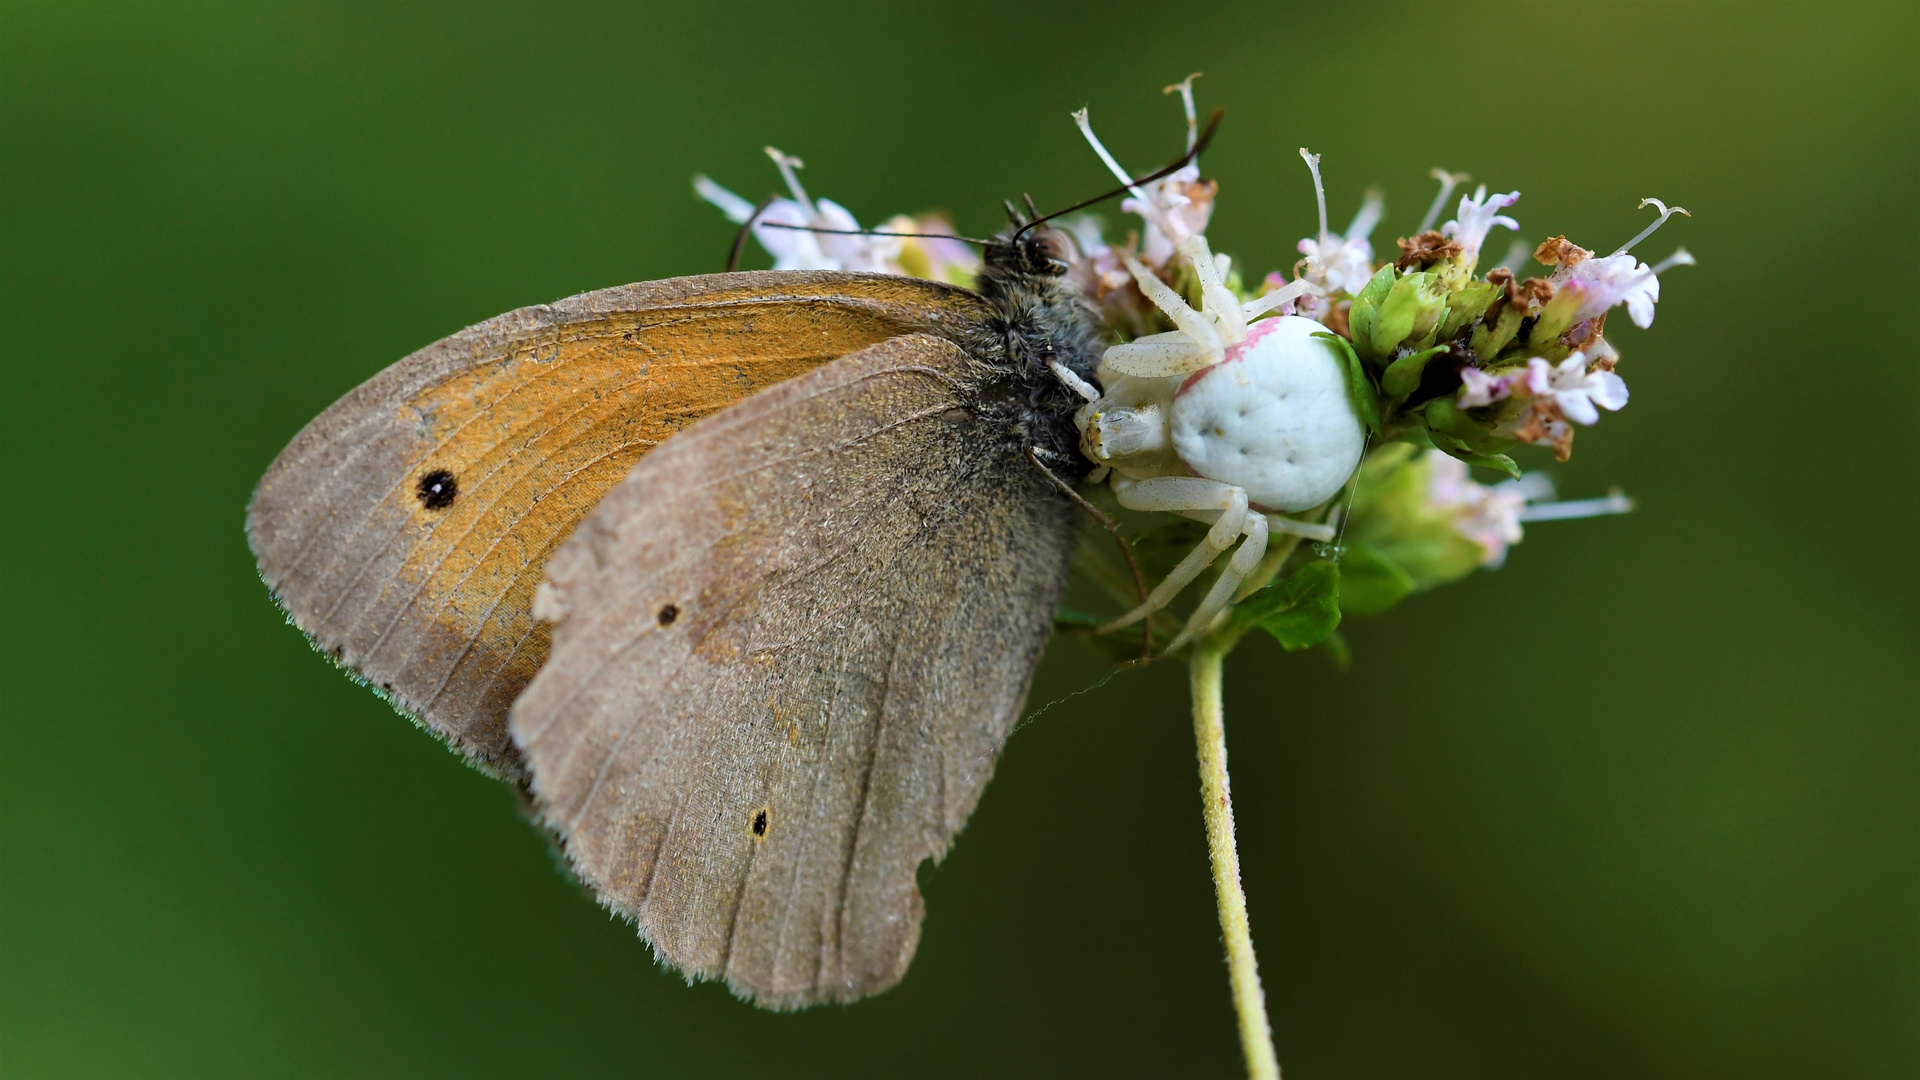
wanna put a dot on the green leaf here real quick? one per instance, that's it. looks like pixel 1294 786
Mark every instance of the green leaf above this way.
pixel 1366 306
pixel 1464 305
pixel 1066 618
pixel 1370 582
pixel 1338 650
pixel 1495 461
pixel 1403 375
pixel 1300 611
pixel 1366 400
pixel 1456 431
pixel 1410 315
pixel 1555 319
pixel 1377 287
pixel 1501 462
pixel 1396 316
pixel 1427 330
pixel 1488 340
pixel 1393 514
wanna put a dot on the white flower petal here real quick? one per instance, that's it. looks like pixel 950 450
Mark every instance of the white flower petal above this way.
pixel 1578 408
pixel 1607 390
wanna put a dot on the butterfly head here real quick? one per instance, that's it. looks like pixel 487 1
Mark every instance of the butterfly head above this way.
pixel 1032 252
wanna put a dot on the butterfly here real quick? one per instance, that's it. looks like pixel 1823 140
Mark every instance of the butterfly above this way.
pixel 741 577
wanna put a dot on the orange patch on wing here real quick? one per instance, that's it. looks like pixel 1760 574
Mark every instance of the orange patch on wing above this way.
pixel 536 438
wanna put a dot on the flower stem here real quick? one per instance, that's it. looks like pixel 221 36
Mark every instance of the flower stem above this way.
pixel 1243 971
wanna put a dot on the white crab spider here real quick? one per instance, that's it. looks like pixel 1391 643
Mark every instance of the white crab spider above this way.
pixel 1223 422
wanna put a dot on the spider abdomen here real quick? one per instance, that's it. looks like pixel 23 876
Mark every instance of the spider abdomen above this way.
pixel 1273 417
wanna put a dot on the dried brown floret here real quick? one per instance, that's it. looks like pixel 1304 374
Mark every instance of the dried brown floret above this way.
pixel 1528 295
pixel 1546 425
pixel 1584 334
pixel 1337 319
pixel 1562 252
pixel 1424 250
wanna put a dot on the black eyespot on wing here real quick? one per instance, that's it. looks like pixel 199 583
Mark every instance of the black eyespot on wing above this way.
pixel 668 614
pixel 760 822
pixel 437 490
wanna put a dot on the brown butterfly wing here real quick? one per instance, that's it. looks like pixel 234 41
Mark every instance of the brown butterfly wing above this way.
pixel 533 415
pixel 790 646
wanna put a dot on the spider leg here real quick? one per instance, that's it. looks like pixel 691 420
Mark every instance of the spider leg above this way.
pixel 1243 563
pixel 1182 493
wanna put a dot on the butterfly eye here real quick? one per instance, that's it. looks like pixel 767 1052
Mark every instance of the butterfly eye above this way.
pixel 1043 254
pixel 437 489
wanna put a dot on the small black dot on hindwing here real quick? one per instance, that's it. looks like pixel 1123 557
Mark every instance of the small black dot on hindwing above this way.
pixel 760 822
pixel 437 489
pixel 668 614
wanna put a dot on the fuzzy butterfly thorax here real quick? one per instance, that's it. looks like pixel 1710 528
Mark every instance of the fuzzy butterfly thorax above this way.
pixel 1039 318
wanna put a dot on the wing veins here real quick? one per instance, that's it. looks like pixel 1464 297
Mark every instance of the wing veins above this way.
pixel 860 819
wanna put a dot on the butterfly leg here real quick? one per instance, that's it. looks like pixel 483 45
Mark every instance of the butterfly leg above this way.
pixel 1232 520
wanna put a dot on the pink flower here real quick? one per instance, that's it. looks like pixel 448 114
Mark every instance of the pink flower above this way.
pixel 1335 262
pixel 1555 394
pixel 1479 388
pixel 1578 393
pixel 783 228
pixel 1174 207
pixel 1605 283
pixel 1488 516
pixel 939 257
pixel 1492 516
pixel 1479 213
pixel 1601 284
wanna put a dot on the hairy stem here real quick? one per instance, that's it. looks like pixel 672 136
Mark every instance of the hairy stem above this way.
pixel 1243 971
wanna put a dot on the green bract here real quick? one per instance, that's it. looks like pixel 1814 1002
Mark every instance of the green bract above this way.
pixel 1403 534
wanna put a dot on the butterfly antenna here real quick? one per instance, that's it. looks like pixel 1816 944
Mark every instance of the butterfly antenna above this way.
pixel 1206 136
pixel 873 232
pixel 1112 526
pixel 740 238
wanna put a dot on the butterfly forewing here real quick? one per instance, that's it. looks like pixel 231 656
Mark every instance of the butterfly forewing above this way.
pixel 405 529
pixel 789 647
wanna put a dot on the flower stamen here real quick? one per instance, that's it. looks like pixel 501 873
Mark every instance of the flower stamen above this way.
pixel 1615 502
pixel 787 163
pixel 737 209
pixel 1319 193
pixel 1515 256
pixel 1665 213
pixel 1086 129
pixel 1680 257
pixel 1448 181
pixel 1185 88
pixel 1372 208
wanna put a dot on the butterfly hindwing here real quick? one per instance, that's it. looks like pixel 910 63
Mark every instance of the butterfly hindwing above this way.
pixel 789 647
pixel 405 529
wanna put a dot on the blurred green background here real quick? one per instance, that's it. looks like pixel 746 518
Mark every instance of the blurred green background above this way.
pixel 1643 803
